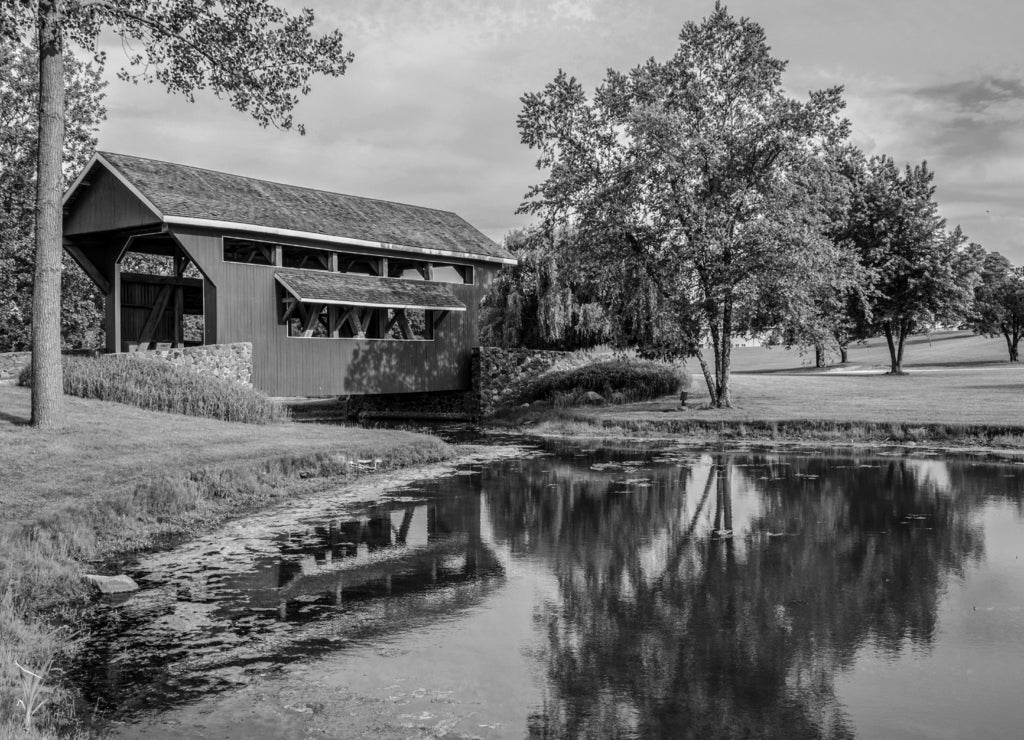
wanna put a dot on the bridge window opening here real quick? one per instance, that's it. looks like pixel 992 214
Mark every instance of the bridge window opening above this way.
pixel 305 259
pixel 248 251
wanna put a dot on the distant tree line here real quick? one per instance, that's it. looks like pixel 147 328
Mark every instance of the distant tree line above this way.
pixel 691 201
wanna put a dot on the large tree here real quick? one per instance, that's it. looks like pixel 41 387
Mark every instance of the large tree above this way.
pixel 690 185
pixel 251 52
pixel 922 274
pixel 999 302
pixel 19 88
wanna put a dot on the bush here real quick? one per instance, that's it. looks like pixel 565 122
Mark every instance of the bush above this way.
pixel 161 386
pixel 618 381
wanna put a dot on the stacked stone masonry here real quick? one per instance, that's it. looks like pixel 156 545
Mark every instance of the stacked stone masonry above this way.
pixel 229 361
pixel 12 363
pixel 501 375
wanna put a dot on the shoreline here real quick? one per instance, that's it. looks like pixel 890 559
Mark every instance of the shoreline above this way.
pixel 990 454
pixel 164 480
pixel 988 441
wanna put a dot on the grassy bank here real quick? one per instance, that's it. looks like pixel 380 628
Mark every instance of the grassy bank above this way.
pixel 949 436
pixel 118 478
pixel 949 405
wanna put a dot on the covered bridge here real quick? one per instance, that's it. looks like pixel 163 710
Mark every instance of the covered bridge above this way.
pixel 337 294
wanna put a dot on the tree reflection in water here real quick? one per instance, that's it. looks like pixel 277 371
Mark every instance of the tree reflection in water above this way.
pixel 671 624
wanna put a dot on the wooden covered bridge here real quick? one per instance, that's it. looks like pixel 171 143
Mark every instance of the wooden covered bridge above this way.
pixel 337 294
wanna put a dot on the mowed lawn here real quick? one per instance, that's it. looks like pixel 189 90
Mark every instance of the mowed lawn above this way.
pixel 108 446
pixel 939 349
pixel 952 378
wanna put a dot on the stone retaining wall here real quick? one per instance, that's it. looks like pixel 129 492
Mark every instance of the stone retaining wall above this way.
pixel 500 375
pixel 12 363
pixel 230 361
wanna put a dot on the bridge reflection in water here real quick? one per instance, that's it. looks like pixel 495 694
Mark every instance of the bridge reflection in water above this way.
pixel 218 611
pixel 389 550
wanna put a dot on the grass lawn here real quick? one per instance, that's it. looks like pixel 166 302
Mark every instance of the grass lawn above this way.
pixel 953 379
pixel 986 394
pixel 108 446
pixel 940 348
pixel 118 478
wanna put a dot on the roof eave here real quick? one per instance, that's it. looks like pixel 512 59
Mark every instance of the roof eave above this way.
pixel 207 223
pixel 283 281
pixel 98 158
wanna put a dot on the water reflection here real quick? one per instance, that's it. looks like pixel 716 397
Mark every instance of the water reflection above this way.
pixel 696 595
pixel 741 630
pixel 209 618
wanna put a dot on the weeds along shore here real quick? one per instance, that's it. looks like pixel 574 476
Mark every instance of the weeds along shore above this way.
pixel 997 440
pixel 119 479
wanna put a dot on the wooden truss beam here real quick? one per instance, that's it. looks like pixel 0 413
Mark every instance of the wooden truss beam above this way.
pixel 290 306
pixel 162 299
pixel 309 321
pixel 89 267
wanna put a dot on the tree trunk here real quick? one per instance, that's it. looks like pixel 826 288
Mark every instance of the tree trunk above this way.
pixel 887 328
pixel 47 374
pixel 904 331
pixel 844 354
pixel 724 392
pixel 819 355
pixel 712 390
pixel 1013 346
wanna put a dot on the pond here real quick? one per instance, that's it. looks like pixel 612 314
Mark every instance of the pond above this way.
pixel 592 593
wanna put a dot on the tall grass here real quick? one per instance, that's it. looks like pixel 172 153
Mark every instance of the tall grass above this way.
pixel 619 380
pixel 161 386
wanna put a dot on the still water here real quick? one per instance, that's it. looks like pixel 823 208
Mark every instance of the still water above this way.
pixel 569 593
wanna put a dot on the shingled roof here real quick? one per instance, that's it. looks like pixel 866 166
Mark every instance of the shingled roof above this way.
pixel 346 289
pixel 190 195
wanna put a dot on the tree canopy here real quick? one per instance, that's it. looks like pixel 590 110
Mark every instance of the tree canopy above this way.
pixel 999 302
pixel 540 302
pixel 693 187
pixel 19 92
pixel 921 274
pixel 256 55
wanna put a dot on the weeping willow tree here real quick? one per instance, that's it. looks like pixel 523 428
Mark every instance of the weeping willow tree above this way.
pixel 541 303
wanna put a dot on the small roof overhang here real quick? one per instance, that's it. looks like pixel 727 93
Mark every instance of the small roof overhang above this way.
pixel 345 289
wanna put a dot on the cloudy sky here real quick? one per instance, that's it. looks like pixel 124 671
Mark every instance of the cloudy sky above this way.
pixel 426 114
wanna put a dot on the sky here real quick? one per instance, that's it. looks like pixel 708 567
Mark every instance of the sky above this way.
pixel 427 112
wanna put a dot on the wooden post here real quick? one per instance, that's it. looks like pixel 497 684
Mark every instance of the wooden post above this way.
pixel 113 310
pixel 179 300
pixel 209 312
pixel 381 314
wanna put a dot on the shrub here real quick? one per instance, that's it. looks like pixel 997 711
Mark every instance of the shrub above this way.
pixel 161 386
pixel 618 380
